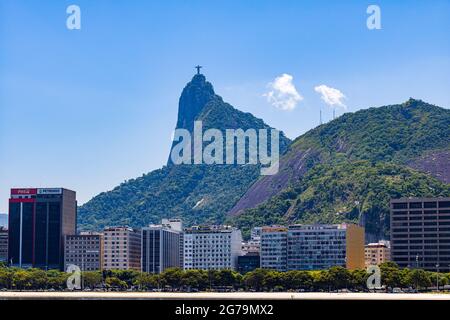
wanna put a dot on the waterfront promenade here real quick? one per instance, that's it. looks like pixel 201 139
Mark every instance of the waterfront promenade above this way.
pixel 218 296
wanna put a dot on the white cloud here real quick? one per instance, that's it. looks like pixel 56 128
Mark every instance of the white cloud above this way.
pixel 331 96
pixel 283 94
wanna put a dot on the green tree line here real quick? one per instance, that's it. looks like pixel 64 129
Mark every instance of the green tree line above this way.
pixel 335 278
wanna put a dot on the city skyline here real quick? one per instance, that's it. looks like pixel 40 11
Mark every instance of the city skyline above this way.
pixel 301 257
pixel 105 97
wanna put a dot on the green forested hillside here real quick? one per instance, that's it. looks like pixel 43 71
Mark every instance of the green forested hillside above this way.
pixel 412 133
pixel 391 133
pixel 351 167
pixel 347 191
pixel 195 193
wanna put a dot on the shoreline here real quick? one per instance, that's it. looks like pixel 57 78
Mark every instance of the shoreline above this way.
pixel 33 295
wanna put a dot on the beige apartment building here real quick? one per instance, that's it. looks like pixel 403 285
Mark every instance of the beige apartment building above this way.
pixel 84 250
pixel 122 248
pixel 377 253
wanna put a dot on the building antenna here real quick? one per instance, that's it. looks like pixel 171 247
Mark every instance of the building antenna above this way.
pixel 334 113
pixel 320 110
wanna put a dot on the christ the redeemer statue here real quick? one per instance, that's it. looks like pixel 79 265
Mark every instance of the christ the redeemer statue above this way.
pixel 198 69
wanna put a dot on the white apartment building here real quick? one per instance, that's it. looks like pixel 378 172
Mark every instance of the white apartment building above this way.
pixel 211 247
pixel 174 224
pixel 122 248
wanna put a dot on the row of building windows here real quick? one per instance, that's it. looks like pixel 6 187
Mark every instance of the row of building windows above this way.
pixel 419 205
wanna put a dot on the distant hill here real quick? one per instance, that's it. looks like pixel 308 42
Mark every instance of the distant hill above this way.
pixel 196 193
pixel 3 220
pixel 347 169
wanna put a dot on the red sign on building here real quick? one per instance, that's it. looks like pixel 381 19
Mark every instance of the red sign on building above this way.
pixel 23 191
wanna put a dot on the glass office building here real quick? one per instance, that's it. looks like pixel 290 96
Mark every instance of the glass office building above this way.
pixel 316 247
pixel 274 248
pixel 39 218
pixel 312 247
pixel 160 248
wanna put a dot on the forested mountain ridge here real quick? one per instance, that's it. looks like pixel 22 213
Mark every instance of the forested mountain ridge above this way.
pixel 196 193
pixel 328 174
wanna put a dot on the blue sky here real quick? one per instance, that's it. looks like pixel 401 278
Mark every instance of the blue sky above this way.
pixel 87 109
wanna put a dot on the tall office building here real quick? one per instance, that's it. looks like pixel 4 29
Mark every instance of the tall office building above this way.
pixel 3 244
pixel 211 247
pixel 321 246
pixel 274 248
pixel 160 247
pixel 122 248
pixel 377 253
pixel 420 233
pixel 84 250
pixel 39 218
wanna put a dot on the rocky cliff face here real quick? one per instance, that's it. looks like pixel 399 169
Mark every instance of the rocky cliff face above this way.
pixel 434 163
pixel 193 99
pixel 292 167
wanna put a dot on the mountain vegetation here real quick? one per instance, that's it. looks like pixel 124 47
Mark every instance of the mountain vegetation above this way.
pixel 349 168
pixel 346 170
pixel 355 192
pixel 394 133
pixel 196 193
